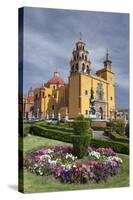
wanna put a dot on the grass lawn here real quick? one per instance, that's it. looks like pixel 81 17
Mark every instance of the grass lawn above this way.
pixel 34 183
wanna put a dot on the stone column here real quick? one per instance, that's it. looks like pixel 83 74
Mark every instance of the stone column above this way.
pixel 66 116
pixel 47 116
pixel 59 116
pixel 52 115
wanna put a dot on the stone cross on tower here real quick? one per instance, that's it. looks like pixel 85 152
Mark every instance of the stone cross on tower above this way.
pixel 80 35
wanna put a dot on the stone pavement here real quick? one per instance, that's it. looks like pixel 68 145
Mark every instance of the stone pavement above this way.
pixel 100 135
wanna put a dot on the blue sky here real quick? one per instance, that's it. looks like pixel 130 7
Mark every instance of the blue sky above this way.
pixel 50 36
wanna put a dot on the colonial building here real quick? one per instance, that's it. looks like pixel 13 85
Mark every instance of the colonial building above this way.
pixel 85 93
pixel 28 105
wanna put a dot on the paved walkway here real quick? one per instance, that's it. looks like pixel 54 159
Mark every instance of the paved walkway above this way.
pixel 100 135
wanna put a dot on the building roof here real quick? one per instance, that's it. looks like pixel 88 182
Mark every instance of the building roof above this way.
pixel 56 79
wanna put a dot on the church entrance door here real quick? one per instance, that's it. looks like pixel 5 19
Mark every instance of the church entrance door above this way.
pixel 101 112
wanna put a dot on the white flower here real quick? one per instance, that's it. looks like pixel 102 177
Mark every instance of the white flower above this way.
pixel 48 151
pixel 40 172
pixel 115 158
pixel 70 156
pixel 53 162
pixel 95 154
pixel 68 167
pixel 74 166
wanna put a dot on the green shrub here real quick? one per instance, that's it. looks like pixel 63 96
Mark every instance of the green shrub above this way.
pixel 68 124
pixel 81 126
pixel 118 126
pixel 80 145
pixel 116 146
pixel 127 130
pixel 24 129
pixel 80 117
pixel 108 131
pixel 118 137
pixel 51 133
pixel 60 128
pixel 91 132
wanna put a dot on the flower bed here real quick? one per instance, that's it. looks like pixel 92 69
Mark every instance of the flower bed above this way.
pixel 58 161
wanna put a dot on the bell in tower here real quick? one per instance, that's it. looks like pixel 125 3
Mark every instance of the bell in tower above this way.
pixel 80 62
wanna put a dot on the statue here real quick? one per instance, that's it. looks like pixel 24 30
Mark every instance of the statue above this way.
pixel 92 103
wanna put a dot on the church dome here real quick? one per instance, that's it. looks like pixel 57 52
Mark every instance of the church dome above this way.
pixel 56 79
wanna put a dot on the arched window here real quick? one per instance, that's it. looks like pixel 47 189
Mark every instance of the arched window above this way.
pixel 88 69
pixel 83 67
pixel 77 66
pixel 86 92
pixel 85 57
pixel 52 107
pixel 72 68
pixel 82 56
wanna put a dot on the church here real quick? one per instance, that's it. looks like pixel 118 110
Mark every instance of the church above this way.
pixel 92 95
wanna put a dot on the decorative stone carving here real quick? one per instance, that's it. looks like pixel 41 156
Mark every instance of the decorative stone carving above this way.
pixel 99 92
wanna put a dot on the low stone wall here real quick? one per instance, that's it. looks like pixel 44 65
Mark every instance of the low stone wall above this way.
pixel 98 124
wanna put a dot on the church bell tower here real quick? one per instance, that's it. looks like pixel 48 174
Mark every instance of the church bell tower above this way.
pixel 79 71
pixel 80 61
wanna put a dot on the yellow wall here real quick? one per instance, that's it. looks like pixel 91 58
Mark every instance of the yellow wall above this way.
pixel 85 99
pixel 74 96
pixel 71 98
pixel 53 95
pixel 88 82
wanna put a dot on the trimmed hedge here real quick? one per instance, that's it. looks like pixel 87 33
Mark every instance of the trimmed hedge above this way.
pixel 108 131
pixel 118 137
pixel 50 133
pixel 67 137
pixel 65 129
pixel 24 129
pixel 69 124
pixel 80 145
pixel 116 146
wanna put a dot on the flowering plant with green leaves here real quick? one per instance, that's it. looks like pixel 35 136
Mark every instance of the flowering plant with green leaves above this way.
pixel 58 161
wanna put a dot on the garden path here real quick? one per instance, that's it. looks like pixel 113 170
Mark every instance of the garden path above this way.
pixel 100 135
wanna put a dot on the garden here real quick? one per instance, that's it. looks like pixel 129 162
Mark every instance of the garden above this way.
pixel 55 164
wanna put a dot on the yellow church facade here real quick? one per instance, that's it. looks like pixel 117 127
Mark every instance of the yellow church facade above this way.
pixel 92 95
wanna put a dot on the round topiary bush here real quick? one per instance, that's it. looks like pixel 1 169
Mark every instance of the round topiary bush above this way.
pixel 81 126
pixel 80 145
